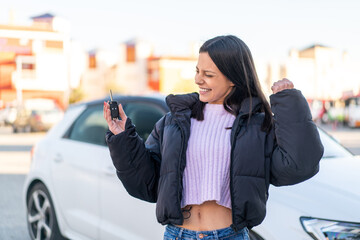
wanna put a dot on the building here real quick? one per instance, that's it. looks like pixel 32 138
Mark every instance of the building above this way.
pixel 133 69
pixel 172 74
pixel 124 70
pixel 320 72
pixel 34 61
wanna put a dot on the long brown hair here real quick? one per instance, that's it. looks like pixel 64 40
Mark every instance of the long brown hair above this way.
pixel 233 58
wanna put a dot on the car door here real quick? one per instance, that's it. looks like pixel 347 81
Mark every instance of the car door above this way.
pixel 122 216
pixel 75 171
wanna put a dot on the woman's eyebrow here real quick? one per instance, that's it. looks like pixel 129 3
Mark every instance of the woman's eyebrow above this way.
pixel 209 71
pixel 206 70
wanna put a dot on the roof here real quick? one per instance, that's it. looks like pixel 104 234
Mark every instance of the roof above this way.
pixel 180 58
pixel 46 15
pixel 314 46
pixel 153 98
pixel 24 28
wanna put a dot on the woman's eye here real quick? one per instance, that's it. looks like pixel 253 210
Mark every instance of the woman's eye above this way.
pixel 208 75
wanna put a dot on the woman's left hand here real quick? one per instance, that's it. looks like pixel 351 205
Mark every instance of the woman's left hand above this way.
pixel 281 85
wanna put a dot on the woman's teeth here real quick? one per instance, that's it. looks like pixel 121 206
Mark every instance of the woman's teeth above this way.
pixel 205 89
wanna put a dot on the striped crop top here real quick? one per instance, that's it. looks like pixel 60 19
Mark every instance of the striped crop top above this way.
pixel 207 172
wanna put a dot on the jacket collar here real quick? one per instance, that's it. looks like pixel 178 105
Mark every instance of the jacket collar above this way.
pixel 182 102
pixel 254 103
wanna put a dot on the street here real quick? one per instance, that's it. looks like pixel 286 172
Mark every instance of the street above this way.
pixel 15 162
pixel 348 137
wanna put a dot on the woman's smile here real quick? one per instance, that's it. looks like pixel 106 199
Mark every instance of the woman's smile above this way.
pixel 203 91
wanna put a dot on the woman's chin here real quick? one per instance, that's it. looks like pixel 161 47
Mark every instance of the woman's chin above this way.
pixel 203 99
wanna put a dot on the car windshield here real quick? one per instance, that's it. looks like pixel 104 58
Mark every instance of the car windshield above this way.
pixel 332 148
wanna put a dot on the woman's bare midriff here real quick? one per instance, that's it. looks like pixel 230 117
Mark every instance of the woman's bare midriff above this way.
pixel 207 216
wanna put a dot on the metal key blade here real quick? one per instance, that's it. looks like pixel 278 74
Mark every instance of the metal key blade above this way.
pixel 111 95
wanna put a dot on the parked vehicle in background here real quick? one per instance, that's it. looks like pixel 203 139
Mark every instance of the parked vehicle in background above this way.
pixel 72 189
pixel 352 111
pixel 335 112
pixel 328 112
pixel 318 110
pixel 43 120
pixel 7 116
pixel 2 117
pixel 37 115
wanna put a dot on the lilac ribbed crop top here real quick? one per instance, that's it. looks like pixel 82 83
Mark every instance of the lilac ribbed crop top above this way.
pixel 207 172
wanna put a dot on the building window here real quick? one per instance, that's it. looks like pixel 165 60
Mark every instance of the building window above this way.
pixel 92 61
pixel 130 53
pixel 54 44
pixel 28 66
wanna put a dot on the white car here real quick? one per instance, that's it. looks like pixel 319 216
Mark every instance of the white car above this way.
pixel 7 116
pixel 72 190
pixel 326 207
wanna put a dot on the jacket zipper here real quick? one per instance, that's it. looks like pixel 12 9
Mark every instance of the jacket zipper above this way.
pixel 238 127
pixel 180 178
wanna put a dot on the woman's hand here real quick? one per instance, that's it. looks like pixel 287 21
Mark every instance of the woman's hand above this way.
pixel 116 126
pixel 281 85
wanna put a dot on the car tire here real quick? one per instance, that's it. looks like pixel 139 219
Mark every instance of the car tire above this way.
pixel 40 215
pixel 254 236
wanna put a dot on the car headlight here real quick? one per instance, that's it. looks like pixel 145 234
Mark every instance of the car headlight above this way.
pixel 323 229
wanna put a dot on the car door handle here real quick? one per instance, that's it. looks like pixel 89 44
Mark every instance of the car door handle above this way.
pixel 58 158
pixel 110 171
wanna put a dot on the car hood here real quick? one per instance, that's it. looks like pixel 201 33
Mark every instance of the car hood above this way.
pixel 334 193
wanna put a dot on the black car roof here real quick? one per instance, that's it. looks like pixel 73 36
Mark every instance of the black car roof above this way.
pixel 156 98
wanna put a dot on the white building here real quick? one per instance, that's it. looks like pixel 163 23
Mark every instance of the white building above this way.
pixel 35 61
pixel 319 72
pixel 124 70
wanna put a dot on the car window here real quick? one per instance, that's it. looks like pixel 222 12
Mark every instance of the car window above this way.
pixel 332 148
pixel 89 127
pixel 144 116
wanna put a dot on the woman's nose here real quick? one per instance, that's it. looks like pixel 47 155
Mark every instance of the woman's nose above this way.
pixel 198 79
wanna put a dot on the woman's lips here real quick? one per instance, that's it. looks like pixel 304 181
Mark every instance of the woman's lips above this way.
pixel 204 90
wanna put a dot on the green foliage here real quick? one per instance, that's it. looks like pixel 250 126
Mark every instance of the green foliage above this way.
pixel 76 95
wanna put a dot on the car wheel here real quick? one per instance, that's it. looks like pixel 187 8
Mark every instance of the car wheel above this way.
pixel 41 217
pixel 254 236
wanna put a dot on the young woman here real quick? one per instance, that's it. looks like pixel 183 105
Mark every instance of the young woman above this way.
pixel 208 163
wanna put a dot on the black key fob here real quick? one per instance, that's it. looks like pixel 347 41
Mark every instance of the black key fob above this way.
pixel 114 109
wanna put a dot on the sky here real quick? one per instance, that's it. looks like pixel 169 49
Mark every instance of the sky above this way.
pixel 269 28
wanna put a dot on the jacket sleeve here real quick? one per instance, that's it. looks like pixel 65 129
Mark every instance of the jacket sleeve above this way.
pixel 137 164
pixel 298 148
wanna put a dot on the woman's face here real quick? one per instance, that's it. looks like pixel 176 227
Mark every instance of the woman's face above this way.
pixel 213 85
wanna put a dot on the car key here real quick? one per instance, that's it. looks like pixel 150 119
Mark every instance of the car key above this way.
pixel 114 109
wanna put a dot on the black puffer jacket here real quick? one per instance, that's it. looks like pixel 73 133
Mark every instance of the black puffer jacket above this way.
pixel 289 154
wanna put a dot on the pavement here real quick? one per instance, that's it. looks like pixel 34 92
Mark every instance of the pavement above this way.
pixel 348 137
pixel 13 214
pixel 15 150
pixel 15 162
